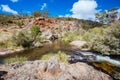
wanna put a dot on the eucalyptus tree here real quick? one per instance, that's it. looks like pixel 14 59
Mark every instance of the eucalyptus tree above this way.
pixel 107 16
pixel 37 13
pixel 45 13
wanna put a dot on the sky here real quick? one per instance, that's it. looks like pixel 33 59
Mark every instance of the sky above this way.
pixel 82 9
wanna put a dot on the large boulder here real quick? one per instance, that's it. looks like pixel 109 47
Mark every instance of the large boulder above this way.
pixel 50 70
pixel 79 44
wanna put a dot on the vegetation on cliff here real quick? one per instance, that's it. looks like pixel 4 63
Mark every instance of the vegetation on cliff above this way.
pixel 101 37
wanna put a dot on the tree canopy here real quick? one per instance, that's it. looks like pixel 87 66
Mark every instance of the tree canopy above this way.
pixel 107 16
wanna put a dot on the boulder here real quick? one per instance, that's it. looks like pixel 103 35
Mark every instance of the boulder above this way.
pixel 38 44
pixel 50 70
pixel 79 44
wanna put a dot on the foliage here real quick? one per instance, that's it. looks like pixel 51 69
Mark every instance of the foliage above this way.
pixel 70 36
pixel 66 18
pixel 112 38
pixel 35 30
pixel 93 34
pixel 45 13
pixel 21 39
pixel 47 56
pixel 36 13
pixel 6 19
pixel 20 23
pixel 85 24
pixel 27 39
pixel 2 44
pixel 36 36
pixel 60 56
pixel 107 16
pixel 15 59
pixel 41 13
pixel 109 42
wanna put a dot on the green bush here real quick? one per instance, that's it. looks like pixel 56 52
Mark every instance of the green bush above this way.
pixel 112 38
pixel 21 39
pixel 27 39
pixel 35 30
pixel 47 56
pixel 109 42
pixel 6 19
pixel 15 59
pixel 2 44
pixel 70 36
pixel 60 56
pixel 20 23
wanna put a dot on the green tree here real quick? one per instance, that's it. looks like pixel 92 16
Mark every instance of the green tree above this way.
pixel 21 39
pixel 35 30
pixel 37 13
pixel 107 16
pixel 45 13
pixel 109 42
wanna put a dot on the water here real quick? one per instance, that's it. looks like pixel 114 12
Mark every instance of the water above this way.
pixel 105 63
pixel 108 59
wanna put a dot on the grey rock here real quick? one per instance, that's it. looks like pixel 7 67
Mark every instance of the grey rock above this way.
pixel 51 70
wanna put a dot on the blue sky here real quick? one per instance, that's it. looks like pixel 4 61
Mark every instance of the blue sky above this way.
pixel 82 9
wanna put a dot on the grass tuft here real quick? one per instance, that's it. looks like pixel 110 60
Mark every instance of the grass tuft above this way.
pixel 15 59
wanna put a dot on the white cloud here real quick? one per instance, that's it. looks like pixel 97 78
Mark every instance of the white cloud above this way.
pixel 43 6
pixel 14 0
pixel 67 15
pixel 84 9
pixel 6 8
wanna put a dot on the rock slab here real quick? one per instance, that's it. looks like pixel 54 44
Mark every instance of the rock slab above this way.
pixel 50 70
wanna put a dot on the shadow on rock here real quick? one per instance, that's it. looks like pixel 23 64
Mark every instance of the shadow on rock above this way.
pixel 2 73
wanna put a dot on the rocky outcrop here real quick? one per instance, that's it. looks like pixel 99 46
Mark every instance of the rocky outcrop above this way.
pixel 7 51
pixel 79 44
pixel 45 21
pixel 50 70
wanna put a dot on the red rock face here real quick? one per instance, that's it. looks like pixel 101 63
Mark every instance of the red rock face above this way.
pixel 53 24
pixel 45 22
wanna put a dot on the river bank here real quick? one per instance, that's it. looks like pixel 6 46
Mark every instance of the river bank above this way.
pixel 105 63
pixel 50 70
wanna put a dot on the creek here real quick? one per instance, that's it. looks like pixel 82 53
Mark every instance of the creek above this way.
pixel 107 64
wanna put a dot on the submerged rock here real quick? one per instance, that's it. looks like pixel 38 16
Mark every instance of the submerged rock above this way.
pixel 51 70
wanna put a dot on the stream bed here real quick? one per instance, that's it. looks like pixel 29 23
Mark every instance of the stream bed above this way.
pixel 109 65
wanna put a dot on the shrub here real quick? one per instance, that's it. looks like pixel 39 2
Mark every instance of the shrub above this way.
pixel 61 56
pixel 35 30
pixel 70 36
pixel 27 39
pixel 21 39
pixel 20 23
pixel 47 56
pixel 93 36
pixel 6 19
pixel 2 44
pixel 112 38
pixel 37 13
pixel 15 59
pixel 109 43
